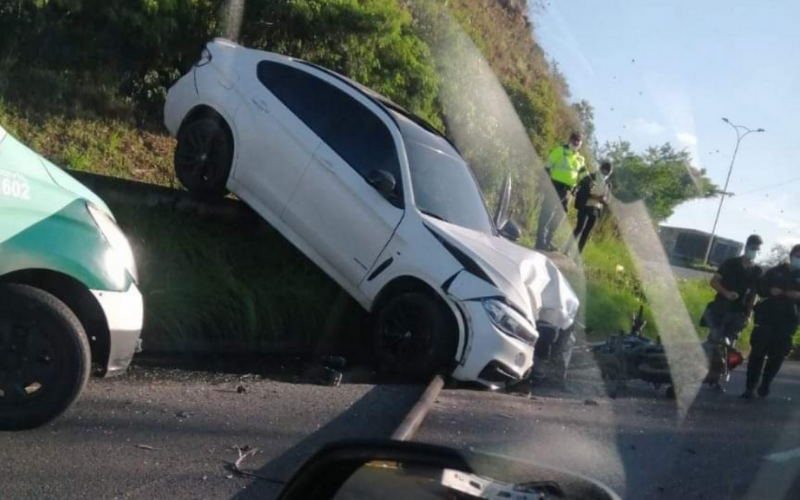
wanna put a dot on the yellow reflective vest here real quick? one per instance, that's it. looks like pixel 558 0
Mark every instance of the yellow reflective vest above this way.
pixel 565 165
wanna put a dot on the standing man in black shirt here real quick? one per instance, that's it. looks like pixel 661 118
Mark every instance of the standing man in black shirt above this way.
pixel 736 283
pixel 776 321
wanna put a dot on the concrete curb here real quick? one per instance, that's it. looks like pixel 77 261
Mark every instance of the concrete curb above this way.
pixel 123 192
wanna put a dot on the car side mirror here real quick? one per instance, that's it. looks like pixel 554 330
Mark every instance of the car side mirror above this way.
pixel 510 231
pixel 383 181
pixel 397 469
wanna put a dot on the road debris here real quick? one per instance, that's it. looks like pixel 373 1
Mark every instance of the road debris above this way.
pixel 236 467
pixel 331 377
pixel 182 414
pixel 145 447
pixel 334 362
pixel 241 389
pixel 591 402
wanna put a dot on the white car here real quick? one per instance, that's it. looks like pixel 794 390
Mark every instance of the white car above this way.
pixel 378 199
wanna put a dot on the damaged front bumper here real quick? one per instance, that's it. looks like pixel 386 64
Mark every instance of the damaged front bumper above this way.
pixel 492 357
pixel 489 355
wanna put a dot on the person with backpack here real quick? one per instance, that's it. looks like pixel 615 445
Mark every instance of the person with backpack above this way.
pixel 564 167
pixel 591 197
pixel 777 317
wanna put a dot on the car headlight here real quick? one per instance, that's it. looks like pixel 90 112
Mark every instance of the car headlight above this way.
pixel 116 239
pixel 510 321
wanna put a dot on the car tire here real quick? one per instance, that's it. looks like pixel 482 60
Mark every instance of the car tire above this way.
pixel 414 336
pixel 45 358
pixel 203 157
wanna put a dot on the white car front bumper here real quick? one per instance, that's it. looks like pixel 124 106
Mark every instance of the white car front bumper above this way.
pixel 492 357
pixel 124 312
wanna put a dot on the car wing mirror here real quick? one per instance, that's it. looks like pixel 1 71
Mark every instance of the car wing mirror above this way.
pixel 389 470
pixel 503 203
pixel 510 231
pixel 383 181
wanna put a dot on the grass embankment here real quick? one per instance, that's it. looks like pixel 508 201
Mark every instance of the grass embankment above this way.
pixel 81 121
pixel 238 285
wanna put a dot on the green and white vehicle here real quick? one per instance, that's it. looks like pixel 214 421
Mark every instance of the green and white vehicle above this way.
pixel 69 305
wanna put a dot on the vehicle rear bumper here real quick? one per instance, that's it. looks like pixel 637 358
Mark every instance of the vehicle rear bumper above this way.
pixel 124 312
pixel 493 358
pixel 180 98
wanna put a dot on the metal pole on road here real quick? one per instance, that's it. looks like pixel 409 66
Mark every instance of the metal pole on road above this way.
pixel 408 427
pixel 741 133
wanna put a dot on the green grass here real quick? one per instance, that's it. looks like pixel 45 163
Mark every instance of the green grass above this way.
pixel 83 122
pixel 614 291
pixel 213 280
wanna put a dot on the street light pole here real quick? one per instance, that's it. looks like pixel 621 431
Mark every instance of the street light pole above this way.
pixel 741 133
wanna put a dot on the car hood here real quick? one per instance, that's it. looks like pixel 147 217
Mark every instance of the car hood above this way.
pixel 28 163
pixel 529 280
pixel 65 181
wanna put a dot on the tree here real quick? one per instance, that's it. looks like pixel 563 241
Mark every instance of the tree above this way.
pixel 585 112
pixel 663 177
pixel 777 255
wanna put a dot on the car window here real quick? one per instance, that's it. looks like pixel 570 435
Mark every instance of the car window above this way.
pixel 306 96
pixel 358 136
pixel 442 183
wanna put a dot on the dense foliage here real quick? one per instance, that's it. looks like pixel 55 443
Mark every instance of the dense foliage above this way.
pixel 149 43
pixel 662 177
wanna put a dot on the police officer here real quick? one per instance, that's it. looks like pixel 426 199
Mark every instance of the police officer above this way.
pixel 565 166
pixel 736 283
pixel 776 321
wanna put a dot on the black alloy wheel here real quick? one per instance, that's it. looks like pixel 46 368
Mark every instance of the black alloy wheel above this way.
pixel 203 157
pixel 44 357
pixel 414 336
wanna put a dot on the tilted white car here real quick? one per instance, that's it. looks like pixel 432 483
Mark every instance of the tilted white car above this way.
pixel 380 200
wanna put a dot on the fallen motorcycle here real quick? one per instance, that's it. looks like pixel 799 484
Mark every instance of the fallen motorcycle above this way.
pixel 632 356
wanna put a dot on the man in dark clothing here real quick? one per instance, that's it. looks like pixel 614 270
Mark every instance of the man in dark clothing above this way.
pixel 776 321
pixel 591 197
pixel 736 283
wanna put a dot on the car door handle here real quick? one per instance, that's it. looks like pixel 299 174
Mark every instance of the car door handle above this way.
pixel 327 164
pixel 261 104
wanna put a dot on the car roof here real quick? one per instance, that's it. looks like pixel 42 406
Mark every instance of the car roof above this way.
pixel 391 108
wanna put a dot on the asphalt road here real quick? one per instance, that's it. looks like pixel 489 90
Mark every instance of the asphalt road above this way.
pixel 162 434
pixel 157 434
pixel 639 444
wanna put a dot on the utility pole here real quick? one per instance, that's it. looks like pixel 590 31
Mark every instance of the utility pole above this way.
pixel 741 133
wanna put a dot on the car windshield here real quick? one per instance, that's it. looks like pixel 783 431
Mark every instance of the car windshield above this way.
pixel 234 231
pixel 442 183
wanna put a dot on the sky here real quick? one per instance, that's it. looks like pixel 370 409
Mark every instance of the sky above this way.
pixel 669 70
